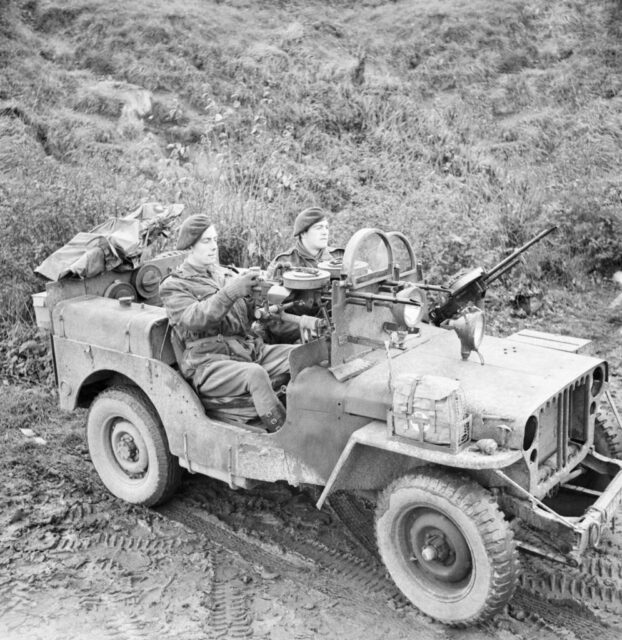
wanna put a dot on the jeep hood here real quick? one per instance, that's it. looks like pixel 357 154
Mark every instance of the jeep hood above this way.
pixel 516 379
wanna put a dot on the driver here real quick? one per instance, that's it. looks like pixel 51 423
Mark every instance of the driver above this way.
pixel 209 309
pixel 311 247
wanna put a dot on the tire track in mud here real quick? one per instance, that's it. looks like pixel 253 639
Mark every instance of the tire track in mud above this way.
pixel 300 548
pixel 566 583
pixel 15 598
pixel 122 577
pixel 70 542
pixel 335 570
pixel 125 626
pixel 596 582
pixel 229 614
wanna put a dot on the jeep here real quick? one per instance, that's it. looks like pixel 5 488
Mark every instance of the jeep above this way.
pixel 459 434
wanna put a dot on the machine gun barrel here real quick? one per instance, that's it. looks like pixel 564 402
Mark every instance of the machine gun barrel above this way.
pixel 470 288
pixel 507 263
pixel 379 297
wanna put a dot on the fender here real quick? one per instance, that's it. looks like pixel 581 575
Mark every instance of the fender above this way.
pixel 80 364
pixel 374 438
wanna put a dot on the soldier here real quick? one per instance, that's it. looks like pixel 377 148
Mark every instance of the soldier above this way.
pixel 210 313
pixel 311 248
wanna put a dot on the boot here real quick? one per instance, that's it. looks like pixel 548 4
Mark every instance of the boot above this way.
pixel 274 419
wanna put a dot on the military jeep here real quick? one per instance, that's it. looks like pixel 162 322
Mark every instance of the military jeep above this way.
pixel 460 435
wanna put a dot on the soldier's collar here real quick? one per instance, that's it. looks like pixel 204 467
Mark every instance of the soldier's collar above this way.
pixel 302 250
pixel 188 270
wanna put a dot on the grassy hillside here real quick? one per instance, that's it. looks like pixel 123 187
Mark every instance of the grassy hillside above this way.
pixel 468 124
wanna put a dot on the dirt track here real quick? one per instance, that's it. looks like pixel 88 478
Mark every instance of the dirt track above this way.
pixel 220 564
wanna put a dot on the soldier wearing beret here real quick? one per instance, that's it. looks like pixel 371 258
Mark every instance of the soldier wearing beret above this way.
pixel 211 316
pixel 311 247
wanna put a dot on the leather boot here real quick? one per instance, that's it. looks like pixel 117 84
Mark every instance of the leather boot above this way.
pixel 274 419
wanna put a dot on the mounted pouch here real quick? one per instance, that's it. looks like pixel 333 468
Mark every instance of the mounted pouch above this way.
pixel 430 410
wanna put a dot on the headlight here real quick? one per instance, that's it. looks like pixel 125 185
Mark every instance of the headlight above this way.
pixel 598 377
pixel 409 314
pixel 470 329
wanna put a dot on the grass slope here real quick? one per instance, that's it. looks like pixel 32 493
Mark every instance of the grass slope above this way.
pixel 467 125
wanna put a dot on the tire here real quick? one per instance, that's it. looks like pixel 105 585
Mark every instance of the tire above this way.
pixel 447 546
pixel 129 448
pixel 608 438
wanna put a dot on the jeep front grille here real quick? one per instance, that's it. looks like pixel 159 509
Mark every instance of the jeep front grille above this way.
pixel 563 426
pixel 465 435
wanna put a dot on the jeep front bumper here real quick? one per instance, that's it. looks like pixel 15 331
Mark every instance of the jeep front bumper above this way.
pixel 598 517
pixel 572 535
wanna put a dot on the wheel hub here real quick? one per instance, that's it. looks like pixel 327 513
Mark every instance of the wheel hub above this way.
pixel 438 547
pixel 129 448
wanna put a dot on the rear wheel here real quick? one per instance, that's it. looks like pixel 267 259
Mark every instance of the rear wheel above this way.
pixel 129 448
pixel 447 546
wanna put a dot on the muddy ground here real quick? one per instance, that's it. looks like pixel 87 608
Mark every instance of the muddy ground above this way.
pixel 77 563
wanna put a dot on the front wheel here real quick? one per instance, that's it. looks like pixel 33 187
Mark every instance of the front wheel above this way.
pixel 447 546
pixel 129 448
pixel 608 438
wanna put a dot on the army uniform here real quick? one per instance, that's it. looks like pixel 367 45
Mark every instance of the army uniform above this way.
pixel 298 256
pixel 221 357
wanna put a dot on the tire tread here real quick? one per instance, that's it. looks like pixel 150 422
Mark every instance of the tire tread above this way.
pixel 481 507
pixel 139 402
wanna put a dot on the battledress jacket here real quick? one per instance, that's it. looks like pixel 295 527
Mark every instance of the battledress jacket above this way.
pixel 298 256
pixel 210 324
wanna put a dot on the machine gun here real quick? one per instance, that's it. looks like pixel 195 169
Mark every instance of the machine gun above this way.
pixel 470 288
pixel 293 303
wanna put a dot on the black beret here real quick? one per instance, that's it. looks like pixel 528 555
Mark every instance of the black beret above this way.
pixel 191 230
pixel 307 218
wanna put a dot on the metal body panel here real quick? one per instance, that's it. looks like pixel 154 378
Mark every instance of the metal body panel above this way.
pixel 375 435
pixel 515 381
pixel 226 451
pixel 321 429
pixel 140 329
pixel 551 341
pixel 323 413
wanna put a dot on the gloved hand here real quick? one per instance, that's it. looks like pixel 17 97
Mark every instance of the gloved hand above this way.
pixel 242 285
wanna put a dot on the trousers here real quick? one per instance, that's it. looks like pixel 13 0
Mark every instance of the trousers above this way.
pixel 220 379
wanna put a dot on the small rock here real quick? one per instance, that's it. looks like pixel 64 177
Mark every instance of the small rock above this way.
pixel 268 575
pixel 519 614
